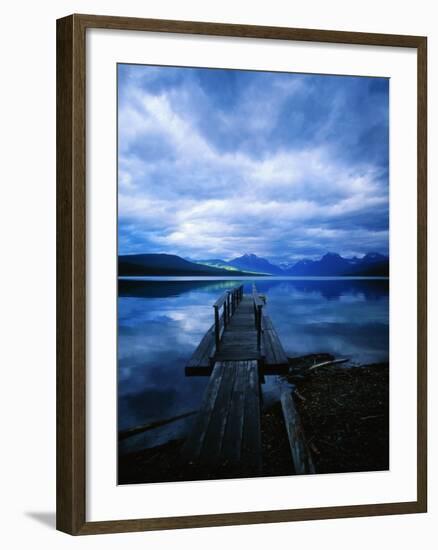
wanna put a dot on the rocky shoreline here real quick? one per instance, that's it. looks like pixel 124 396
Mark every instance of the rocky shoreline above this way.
pixel 345 414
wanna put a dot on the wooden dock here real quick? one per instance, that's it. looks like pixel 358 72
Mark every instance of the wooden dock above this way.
pixel 237 350
pixel 241 332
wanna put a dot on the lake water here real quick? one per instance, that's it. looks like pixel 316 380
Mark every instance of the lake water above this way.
pixel 162 319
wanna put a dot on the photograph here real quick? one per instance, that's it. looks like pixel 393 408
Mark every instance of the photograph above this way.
pixel 253 273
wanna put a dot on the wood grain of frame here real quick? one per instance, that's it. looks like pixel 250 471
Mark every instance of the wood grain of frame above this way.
pixel 71 269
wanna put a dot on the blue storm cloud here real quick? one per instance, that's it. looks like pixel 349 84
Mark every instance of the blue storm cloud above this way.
pixel 216 163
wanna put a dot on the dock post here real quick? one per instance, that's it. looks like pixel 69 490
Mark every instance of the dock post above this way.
pixel 259 326
pixel 216 327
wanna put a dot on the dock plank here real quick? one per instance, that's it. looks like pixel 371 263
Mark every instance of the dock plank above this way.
pixel 226 437
pixel 210 454
pixel 193 445
pixel 251 453
pixel 301 457
pixel 272 348
pixel 232 441
pixel 201 355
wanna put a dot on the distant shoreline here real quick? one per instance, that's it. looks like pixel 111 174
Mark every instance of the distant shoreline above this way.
pixel 251 266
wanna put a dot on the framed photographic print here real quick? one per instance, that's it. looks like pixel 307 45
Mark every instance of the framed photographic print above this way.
pixel 241 274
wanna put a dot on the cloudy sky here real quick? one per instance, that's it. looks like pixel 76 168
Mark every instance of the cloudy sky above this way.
pixel 217 163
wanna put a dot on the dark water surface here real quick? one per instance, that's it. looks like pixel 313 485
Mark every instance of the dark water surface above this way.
pixel 161 321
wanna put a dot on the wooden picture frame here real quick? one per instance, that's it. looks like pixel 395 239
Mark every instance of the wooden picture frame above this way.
pixel 71 273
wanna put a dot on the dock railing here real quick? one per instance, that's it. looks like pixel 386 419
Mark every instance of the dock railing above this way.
pixel 258 314
pixel 224 308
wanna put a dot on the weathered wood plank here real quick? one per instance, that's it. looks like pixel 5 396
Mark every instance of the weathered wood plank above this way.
pixel 301 457
pixel 212 445
pixel 226 437
pixel 201 355
pixel 232 440
pixel 241 319
pixel 244 356
pixel 239 340
pixel 272 348
pixel 267 323
pixel 195 440
pixel 251 454
pixel 329 363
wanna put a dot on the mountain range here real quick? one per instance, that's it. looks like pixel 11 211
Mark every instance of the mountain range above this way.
pixel 331 264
